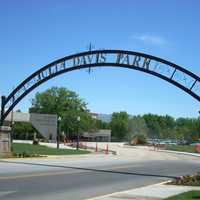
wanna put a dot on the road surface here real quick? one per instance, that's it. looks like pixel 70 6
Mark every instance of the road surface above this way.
pixel 85 177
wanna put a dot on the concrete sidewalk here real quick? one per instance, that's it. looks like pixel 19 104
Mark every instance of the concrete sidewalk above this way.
pixel 153 192
pixel 151 148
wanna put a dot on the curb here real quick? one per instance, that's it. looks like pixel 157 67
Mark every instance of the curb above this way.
pixel 115 193
pixel 170 151
pixel 44 157
pixel 180 152
pixel 48 157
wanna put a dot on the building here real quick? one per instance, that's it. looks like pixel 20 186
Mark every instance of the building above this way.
pixel 102 135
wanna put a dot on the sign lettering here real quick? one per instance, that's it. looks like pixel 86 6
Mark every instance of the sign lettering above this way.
pixel 146 63
pixel 122 58
pixel 96 58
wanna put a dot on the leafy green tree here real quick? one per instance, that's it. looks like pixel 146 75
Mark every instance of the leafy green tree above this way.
pixel 23 131
pixel 188 128
pixel 102 125
pixel 152 122
pixel 69 106
pixel 66 104
pixel 137 127
pixel 160 126
pixel 119 125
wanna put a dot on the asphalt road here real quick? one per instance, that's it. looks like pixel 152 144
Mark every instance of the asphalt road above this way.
pixel 76 179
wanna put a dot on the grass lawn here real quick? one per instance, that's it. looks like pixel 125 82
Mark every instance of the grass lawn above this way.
pixel 192 195
pixel 29 149
pixel 185 148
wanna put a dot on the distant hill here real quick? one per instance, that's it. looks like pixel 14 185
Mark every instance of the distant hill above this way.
pixel 104 117
pixel 107 117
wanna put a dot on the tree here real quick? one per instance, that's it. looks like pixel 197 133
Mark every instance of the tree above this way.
pixel 137 128
pixel 119 125
pixel 102 125
pixel 66 104
pixel 166 126
pixel 188 129
pixel 23 131
pixel 160 126
pixel 152 122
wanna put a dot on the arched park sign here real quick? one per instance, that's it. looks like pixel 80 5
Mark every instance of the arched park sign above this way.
pixel 168 71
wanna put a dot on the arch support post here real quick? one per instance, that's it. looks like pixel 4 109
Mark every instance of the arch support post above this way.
pixel 3 98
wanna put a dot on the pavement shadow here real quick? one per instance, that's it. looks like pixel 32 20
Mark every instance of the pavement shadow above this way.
pixel 90 169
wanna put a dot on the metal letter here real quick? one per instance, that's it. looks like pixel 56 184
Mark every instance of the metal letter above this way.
pixel 102 58
pixel 119 56
pixel 136 61
pixel 126 59
pixel 146 63
pixel 83 61
pixel 90 57
pixel 62 65
pixel 76 61
pixel 44 74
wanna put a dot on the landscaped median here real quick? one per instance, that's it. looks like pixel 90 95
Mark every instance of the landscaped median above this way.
pixel 193 180
pixel 29 150
pixel 188 180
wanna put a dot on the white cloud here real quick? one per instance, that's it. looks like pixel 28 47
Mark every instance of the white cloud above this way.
pixel 150 39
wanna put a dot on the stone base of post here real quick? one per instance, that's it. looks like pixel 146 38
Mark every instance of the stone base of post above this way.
pixel 5 142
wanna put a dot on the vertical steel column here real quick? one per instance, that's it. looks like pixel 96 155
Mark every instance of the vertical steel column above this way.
pixel 3 98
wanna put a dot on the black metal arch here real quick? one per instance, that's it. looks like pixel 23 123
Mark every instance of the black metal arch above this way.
pixel 168 71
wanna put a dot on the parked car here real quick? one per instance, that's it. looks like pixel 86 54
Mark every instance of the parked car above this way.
pixel 195 143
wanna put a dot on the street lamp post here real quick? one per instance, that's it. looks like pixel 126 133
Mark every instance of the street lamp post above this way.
pixel 77 144
pixel 58 132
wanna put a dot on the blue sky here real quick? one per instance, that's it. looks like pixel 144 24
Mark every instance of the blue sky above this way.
pixel 34 33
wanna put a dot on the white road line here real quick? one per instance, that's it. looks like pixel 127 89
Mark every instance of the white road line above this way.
pixel 125 191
